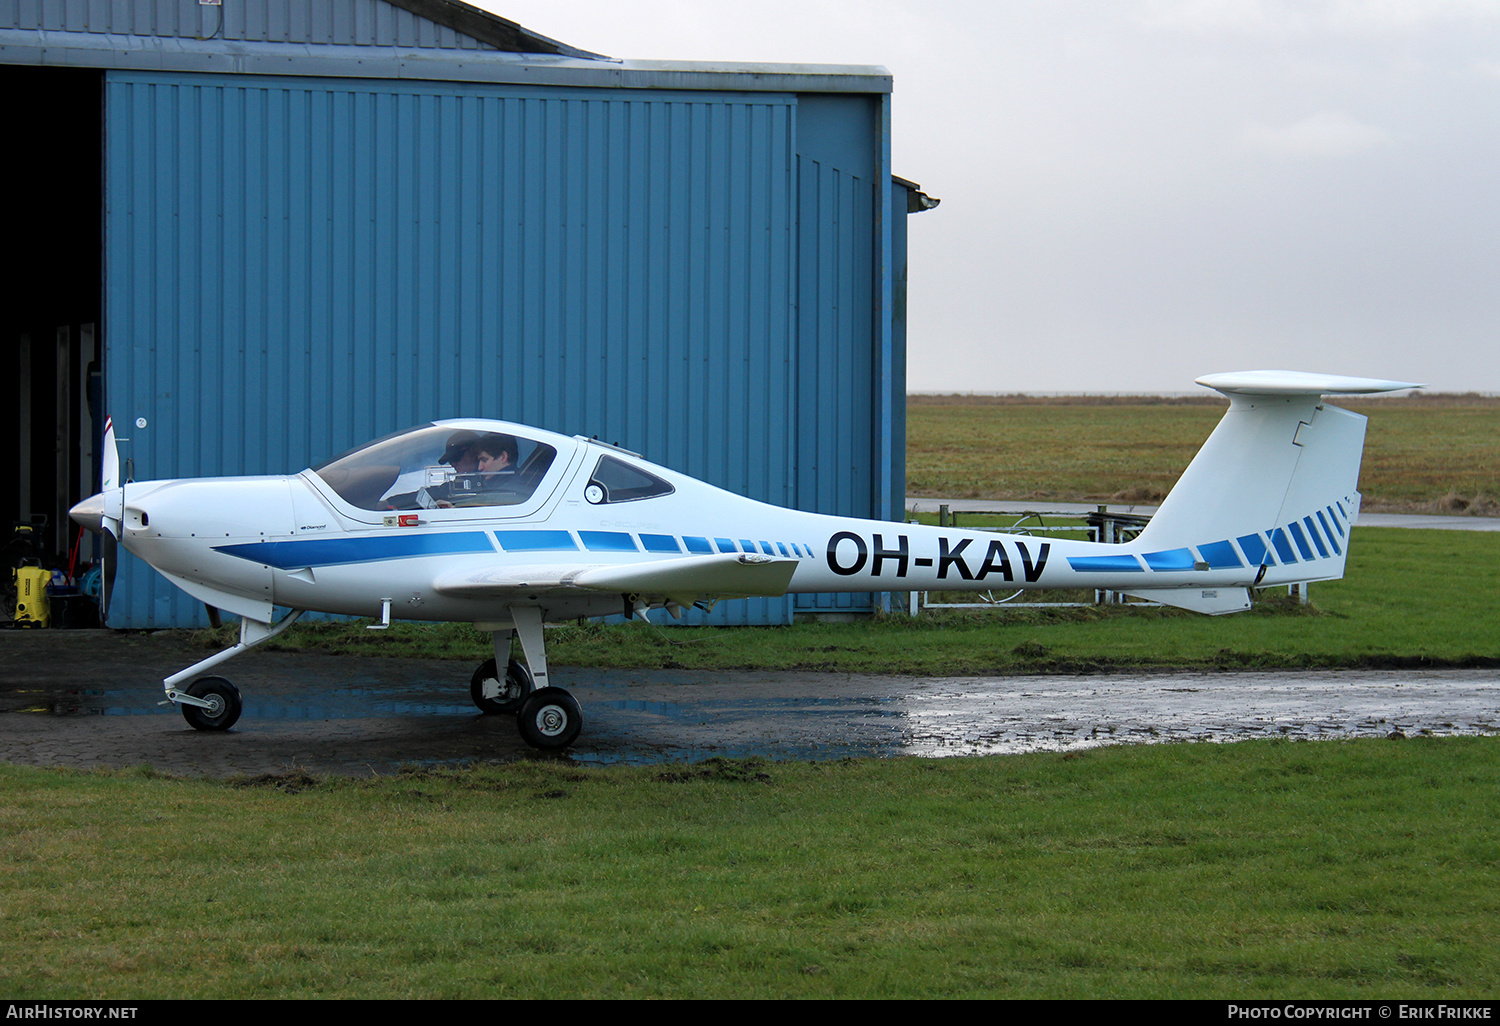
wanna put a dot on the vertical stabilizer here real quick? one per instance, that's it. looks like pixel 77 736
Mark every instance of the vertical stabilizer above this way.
pixel 1274 489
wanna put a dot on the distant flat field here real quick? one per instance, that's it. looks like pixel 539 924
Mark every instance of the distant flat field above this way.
pixel 1428 454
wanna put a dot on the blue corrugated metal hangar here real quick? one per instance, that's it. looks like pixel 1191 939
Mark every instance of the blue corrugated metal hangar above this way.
pixel 258 233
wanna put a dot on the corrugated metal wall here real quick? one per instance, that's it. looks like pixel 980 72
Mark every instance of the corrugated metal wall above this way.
pixel 349 22
pixel 294 266
pixel 835 383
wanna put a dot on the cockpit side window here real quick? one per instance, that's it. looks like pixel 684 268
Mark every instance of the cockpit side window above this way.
pixel 614 480
pixel 439 468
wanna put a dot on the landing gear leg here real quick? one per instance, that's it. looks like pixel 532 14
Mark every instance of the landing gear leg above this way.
pixel 212 703
pixel 550 717
pixel 493 693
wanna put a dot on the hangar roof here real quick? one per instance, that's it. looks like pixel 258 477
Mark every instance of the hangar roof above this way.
pixel 441 40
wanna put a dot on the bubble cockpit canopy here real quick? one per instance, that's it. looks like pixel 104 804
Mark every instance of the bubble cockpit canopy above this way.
pixel 440 466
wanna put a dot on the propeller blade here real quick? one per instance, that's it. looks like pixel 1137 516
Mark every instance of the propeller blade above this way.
pixel 109 557
pixel 109 466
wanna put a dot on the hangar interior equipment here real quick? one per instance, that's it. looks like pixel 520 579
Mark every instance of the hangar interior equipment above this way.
pixel 258 233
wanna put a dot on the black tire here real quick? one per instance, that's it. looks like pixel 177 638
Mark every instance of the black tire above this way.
pixel 550 718
pixel 517 686
pixel 226 699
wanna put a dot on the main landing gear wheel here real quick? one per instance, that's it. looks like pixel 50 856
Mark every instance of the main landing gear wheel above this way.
pixel 550 718
pixel 513 689
pixel 224 704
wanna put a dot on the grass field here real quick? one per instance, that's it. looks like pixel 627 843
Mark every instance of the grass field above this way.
pixel 1438 454
pixel 1365 869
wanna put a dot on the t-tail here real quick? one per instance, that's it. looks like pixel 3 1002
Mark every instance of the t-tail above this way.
pixel 1274 490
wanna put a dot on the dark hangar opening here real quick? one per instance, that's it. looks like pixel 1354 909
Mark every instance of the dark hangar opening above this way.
pixel 50 315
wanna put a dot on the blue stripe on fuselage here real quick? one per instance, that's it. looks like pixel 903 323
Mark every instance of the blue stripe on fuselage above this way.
pixel 1174 559
pixel 290 555
pixel 1104 564
pixel 1220 555
pixel 536 541
pixel 607 541
pixel 1331 539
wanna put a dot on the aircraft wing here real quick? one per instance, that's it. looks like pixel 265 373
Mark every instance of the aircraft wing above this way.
pixel 682 579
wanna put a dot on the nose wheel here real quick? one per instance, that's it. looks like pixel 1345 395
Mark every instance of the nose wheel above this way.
pixel 223 704
pixel 212 703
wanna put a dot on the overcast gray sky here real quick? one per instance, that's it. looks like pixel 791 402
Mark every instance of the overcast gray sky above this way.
pixel 1139 192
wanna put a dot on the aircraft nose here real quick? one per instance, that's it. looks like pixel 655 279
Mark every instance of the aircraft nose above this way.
pixel 210 508
pixel 89 513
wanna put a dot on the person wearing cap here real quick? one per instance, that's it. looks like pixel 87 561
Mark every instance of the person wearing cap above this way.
pixel 463 456
pixel 460 453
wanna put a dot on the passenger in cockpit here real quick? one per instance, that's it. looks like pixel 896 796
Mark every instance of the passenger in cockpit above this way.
pixel 495 453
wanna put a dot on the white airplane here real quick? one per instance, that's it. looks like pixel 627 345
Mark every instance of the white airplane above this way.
pixel 507 527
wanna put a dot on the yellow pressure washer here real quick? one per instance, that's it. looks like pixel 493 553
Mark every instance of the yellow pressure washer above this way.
pixel 28 581
pixel 32 606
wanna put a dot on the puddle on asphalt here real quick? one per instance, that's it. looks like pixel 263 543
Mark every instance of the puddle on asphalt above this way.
pixel 644 718
pixel 360 703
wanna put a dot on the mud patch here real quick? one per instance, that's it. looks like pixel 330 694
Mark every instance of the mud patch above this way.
pixel 293 782
pixel 751 771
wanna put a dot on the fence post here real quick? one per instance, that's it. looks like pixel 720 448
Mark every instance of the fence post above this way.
pixel 1109 534
pixel 913 598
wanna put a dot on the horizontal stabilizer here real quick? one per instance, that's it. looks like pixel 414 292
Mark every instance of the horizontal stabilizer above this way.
pixel 1279 382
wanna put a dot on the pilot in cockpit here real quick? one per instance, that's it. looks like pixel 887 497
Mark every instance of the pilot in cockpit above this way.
pixel 478 460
